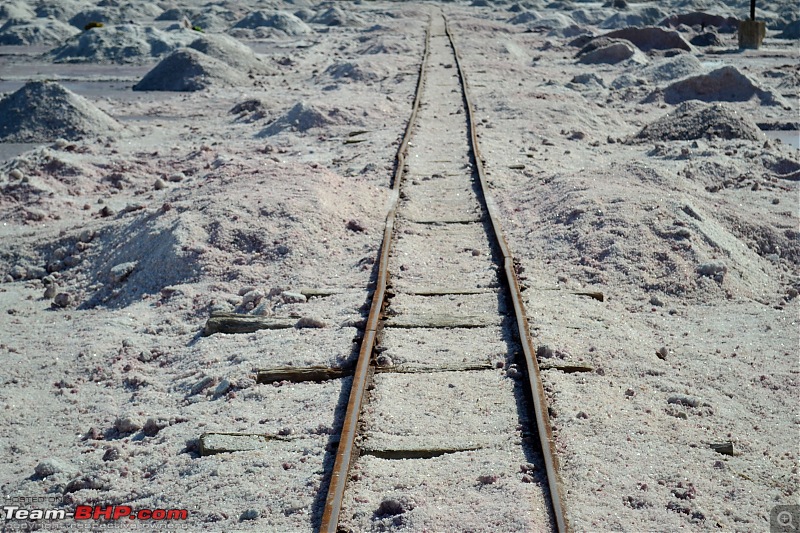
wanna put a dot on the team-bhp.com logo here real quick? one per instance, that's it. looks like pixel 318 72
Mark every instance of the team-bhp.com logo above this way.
pixel 94 512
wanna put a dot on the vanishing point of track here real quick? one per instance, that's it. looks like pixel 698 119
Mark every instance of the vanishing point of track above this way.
pixel 452 213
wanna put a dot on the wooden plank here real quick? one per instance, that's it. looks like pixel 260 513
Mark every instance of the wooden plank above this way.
pixel 445 291
pixel 300 374
pixel 443 321
pixel 240 323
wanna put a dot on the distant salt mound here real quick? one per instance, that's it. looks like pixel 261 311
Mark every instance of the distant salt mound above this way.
pixel 612 53
pixel 652 38
pixel 335 16
pixel 16 10
pixel 386 46
pixel 303 117
pixel 127 43
pixel 44 111
pixel 230 51
pixel 188 70
pixel 646 16
pixel 35 32
pixel 698 18
pixel 354 71
pixel 279 20
pixel 62 10
pixel 725 84
pixel 697 120
pixel 115 13
pixel 667 70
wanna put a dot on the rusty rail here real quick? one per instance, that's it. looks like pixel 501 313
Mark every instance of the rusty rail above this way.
pixel 345 452
pixel 534 376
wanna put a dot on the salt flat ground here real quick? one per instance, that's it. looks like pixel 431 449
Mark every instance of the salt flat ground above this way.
pixel 129 216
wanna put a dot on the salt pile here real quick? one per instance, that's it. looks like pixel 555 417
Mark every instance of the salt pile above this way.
pixel 612 53
pixel 62 10
pixel 667 70
pixel 652 38
pixel 348 70
pixel 644 16
pixel 301 117
pixel 44 111
pixel 725 84
pixel 335 16
pixel 37 32
pixel 230 51
pixel 115 13
pixel 696 120
pixel 126 43
pixel 699 18
pixel 16 10
pixel 280 20
pixel 189 70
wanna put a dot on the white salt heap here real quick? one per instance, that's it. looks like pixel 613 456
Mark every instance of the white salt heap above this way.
pixel 43 111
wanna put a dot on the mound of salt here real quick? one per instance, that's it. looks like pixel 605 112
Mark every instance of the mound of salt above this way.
pixel 644 16
pixel 725 84
pixel 669 69
pixel 16 10
pixel 106 15
pixel 301 117
pixel 42 111
pixel 613 53
pixel 188 70
pixel 230 51
pixel 699 18
pixel 652 38
pixel 335 16
pixel 280 20
pixel 61 10
pixel 347 70
pixel 524 17
pixel 37 32
pixel 708 38
pixel 696 120
pixel 386 46
pixel 126 43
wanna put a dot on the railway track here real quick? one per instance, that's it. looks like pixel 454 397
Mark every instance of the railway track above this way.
pixel 458 434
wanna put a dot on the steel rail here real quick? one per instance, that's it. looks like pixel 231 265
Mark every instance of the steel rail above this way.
pixel 346 450
pixel 534 376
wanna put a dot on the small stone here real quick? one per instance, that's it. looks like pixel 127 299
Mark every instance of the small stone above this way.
pixel 394 506
pixel 153 426
pixel 121 271
pixel 112 454
pixel 582 414
pixel 62 299
pixel 656 301
pixel 127 424
pixel 16 174
pixel 176 177
pixel 292 297
pixel 488 479
pixel 384 361
pixel 662 353
pixel 245 290
pixel 252 297
pixel 686 401
pixel 355 225
pixel 310 322
pixel 223 387
pixel 18 272
pixel 201 385
pixel 250 514
pixel 87 235
pixel 106 212
pixel 544 352
pixel 630 393
pixel 60 143
pixel 776 201
pixel 714 269
pixel 51 466
pixel 50 291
